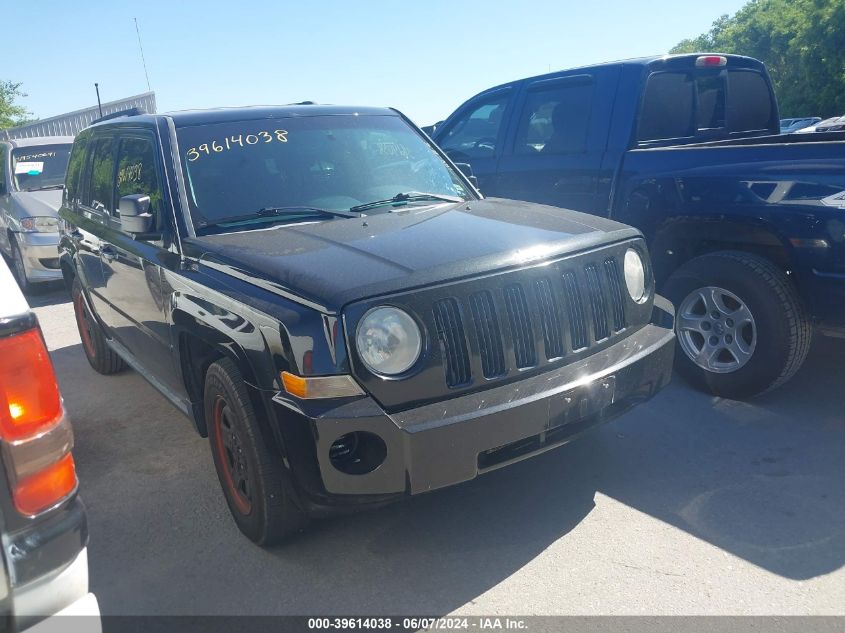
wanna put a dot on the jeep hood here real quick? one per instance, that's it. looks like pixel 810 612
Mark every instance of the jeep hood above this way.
pixel 331 263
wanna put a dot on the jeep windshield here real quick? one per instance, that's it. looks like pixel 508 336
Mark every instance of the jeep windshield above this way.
pixel 313 168
pixel 40 166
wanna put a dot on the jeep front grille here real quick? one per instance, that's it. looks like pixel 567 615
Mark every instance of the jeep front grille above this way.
pixel 592 316
pixel 450 332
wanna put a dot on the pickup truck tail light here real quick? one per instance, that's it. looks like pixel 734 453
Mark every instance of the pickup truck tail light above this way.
pixel 711 61
pixel 35 436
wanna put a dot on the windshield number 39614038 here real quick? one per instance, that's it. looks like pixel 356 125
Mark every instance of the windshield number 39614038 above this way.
pixel 230 142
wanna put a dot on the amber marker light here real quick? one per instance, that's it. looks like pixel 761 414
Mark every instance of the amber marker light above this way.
pixel 315 387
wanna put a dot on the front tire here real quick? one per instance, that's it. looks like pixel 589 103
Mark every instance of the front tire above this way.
pixel 101 357
pixel 742 328
pixel 257 487
pixel 19 269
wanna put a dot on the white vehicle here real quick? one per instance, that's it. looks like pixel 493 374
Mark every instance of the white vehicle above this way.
pixel 42 522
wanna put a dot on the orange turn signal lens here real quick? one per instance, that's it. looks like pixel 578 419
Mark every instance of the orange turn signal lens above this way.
pixel 320 386
pixel 47 487
pixel 29 396
pixel 295 385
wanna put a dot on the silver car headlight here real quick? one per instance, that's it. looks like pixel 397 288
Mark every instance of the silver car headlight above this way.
pixel 42 224
pixel 388 340
pixel 635 275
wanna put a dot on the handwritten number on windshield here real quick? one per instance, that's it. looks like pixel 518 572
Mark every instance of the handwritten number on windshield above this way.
pixel 241 140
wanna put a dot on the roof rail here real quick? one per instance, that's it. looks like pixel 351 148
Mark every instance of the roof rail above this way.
pixel 114 115
pixel 304 103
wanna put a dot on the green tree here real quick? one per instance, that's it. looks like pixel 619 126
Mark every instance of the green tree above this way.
pixel 802 43
pixel 12 114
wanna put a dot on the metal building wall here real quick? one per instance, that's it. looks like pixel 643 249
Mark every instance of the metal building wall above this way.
pixel 72 123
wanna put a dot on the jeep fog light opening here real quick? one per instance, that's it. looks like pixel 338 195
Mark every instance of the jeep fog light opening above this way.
pixel 388 341
pixel 358 453
pixel 635 275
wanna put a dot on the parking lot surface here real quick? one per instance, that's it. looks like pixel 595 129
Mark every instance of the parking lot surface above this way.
pixel 688 505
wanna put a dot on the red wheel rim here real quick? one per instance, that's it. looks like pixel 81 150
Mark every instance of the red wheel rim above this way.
pixel 233 464
pixel 83 322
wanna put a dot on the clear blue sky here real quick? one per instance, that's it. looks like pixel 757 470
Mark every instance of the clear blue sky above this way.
pixel 424 58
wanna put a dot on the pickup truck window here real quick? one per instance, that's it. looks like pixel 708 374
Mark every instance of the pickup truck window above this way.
pixel 476 133
pixel 555 120
pixel 40 167
pixel 239 168
pixel 137 172
pixel 685 104
pixel 100 176
pixel 711 102
pixel 749 89
pixel 667 107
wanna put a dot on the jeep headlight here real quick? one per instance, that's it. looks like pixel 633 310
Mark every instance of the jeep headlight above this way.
pixel 635 275
pixel 388 340
pixel 42 224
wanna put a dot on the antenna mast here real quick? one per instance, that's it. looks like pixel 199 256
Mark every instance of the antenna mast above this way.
pixel 141 48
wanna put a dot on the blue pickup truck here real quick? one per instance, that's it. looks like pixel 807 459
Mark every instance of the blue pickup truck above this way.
pixel 746 227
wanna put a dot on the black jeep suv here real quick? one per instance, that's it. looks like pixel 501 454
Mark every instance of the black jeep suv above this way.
pixel 331 301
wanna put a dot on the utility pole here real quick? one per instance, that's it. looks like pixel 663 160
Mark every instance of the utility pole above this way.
pixel 99 105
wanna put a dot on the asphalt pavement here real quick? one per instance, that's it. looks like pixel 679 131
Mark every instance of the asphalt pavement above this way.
pixel 690 504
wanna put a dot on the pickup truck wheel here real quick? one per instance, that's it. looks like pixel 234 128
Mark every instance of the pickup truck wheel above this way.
pixel 101 357
pixel 257 487
pixel 742 329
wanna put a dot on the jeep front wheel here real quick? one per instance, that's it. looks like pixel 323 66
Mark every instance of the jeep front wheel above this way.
pixel 742 329
pixel 255 482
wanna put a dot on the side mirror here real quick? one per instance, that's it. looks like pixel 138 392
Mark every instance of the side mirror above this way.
pixel 135 216
pixel 466 170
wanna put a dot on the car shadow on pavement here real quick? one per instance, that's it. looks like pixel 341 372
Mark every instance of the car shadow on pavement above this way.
pixel 48 294
pixel 761 480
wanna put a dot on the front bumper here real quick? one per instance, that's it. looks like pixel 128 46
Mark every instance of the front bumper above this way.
pixel 452 441
pixel 40 252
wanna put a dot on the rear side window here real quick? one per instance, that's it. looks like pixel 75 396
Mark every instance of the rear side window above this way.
pixel 554 120
pixel 751 103
pixel 74 167
pixel 137 172
pixel 101 176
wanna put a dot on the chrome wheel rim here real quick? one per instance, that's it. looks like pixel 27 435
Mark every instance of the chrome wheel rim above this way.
pixel 716 330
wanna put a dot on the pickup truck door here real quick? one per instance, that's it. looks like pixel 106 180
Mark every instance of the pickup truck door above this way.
pixel 553 153
pixel 475 134
pixel 135 301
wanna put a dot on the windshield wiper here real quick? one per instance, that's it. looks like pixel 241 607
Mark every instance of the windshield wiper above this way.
pixel 410 196
pixel 273 212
